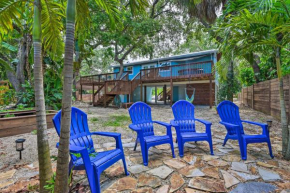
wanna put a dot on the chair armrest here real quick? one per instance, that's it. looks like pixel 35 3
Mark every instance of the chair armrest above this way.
pixel 162 123
pixel 254 123
pixel 262 125
pixel 204 121
pixel 117 137
pixel 173 123
pixel 229 125
pixel 134 127
pixel 107 134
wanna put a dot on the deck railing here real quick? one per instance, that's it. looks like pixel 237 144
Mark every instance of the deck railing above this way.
pixel 190 70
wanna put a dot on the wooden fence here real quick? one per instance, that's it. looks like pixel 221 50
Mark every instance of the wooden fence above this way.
pixel 264 97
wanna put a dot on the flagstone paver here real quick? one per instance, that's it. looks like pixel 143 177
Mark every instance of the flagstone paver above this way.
pixel 148 180
pixel 176 181
pixel 174 163
pixel 245 176
pixel 239 166
pixel 136 169
pixel 268 175
pixel 229 179
pixel 161 172
pixel 218 163
pixel 163 189
pixel 7 175
pixel 191 171
pixel 211 171
pixel 254 187
pixel 207 184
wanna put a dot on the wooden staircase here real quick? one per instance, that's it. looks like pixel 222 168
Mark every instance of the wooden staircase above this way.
pixel 161 95
pixel 103 98
pixel 109 89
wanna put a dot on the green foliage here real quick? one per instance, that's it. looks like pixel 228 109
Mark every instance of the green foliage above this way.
pixel 9 115
pixel 7 96
pixel 34 132
pixel 117 121
pixel 247 76
pixel 94 119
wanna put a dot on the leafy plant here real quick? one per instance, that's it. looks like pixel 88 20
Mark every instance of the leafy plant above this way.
pixel 34 132
pixel 9 115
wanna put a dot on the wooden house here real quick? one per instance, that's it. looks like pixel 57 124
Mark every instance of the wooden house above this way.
pixel 158 81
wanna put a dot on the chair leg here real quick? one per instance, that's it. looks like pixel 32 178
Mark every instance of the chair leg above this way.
pixel 97 189
pixel 210 146
pixel 180 148
pixel 145 156
pixel 136 143
pixel 270 148
pixel 226 139
pixel 244 157
pixel 172 149
pixel 125 165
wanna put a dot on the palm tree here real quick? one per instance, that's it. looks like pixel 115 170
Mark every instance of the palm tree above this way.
pixel 45 171
pixel 110 6
pixel 48 15
pixel 266 23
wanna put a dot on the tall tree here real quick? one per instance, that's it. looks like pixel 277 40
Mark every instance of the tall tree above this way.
pixel 45 170
pixel 61 181
pixel 61 184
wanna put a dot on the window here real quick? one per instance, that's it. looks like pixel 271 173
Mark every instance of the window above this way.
pixel 148 66
pixel 130 69
pixel 165 66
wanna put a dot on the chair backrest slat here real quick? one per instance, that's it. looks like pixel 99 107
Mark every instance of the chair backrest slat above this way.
pixel 183 112
pixel 229 112
pixel 140 114
pixel 79 130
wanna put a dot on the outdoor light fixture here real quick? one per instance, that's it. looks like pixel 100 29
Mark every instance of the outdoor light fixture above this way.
pixel 269 123
pixel 19 146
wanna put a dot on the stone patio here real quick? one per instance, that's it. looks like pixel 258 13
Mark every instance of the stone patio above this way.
pixel 196 172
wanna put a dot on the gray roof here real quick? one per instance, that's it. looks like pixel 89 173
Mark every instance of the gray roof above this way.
pixel 177 57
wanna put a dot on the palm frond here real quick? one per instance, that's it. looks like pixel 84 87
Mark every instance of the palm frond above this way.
pixel 10 11
pixel 52 15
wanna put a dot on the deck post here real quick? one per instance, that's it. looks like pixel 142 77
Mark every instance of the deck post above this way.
pixel 141 92
pixel 81 92
pixel 210 92
pixel 171 92
pixel 93 95
pixel 145 94
pixel 156 97
pixel 105 96
pixel 164 93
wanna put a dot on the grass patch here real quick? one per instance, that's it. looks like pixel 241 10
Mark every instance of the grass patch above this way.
pixel 117 121
pixel 94 119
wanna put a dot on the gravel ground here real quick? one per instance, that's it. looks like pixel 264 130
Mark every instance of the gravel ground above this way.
pixel 99 120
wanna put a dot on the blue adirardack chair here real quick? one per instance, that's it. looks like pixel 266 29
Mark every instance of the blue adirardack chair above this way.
pixel 142 123
pixel 81 143
pixel 184 123
pixel 230 118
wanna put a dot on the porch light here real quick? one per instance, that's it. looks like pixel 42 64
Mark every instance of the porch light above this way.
pixel 19 146
pixel 269 123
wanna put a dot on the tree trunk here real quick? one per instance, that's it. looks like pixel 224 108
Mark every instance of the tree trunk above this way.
pixel 230 80
pixel 61 181
pixel 251 59
pixel 121 69
pixel 285 132
pixel 45 171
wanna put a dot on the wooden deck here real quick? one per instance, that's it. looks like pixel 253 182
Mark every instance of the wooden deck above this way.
pixel 108 84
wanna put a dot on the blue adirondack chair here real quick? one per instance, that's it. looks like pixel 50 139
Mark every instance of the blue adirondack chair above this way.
pixel 142 123
pixel 81 143
pixel 230 118
pixel 184 123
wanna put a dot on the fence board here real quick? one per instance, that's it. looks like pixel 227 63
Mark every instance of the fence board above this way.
pixel 264 97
